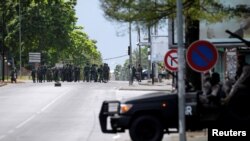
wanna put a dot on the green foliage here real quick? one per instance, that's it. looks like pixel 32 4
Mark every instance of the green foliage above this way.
pixel 144 57
pixel 122 72
pixel 49 27
pixel 150 12
pixel 117 72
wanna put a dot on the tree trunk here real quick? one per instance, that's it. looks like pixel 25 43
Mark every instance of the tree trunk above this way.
pixel 192 34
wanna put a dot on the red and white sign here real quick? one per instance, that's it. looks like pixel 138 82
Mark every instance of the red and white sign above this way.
pixel 171 61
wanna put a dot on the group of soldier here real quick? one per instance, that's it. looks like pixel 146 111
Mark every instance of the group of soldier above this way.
pixel 95 73
pixel 71 73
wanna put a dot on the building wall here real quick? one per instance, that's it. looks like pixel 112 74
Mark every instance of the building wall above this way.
pixel 220 65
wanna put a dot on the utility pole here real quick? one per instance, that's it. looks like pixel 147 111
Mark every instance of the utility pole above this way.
pixel 139 40
pixel 3 36
pixel 149 51
pixel 181 72
pixel 20 39
pixel 130 49
pixel 130 56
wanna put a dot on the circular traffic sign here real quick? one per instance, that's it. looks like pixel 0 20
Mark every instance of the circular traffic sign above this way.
pixel 170 60
pixel 201 56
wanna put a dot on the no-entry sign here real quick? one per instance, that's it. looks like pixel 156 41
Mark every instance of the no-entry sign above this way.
pixel 170 60
pixel 202 56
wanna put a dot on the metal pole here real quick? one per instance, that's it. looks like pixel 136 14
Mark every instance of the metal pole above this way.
pixel 149 51
pixel 3 36
pixel 181 71
pixel 130 56
pixel 7 70
pixel 20 39
pixel 139 40
pixel 130 53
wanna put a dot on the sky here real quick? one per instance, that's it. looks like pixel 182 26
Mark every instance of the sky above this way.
pixel 91 17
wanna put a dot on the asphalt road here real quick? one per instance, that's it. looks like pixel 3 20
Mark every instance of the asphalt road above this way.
pixel 42 112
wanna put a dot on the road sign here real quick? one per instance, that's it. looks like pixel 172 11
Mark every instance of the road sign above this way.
pixel 143 44
pixel 170 60
pixel 202 56
pixel 34 57
pixel 159 46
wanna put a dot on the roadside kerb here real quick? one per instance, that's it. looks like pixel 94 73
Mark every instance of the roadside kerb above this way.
pixel 147 86
pixel 9 82
pixel 2 84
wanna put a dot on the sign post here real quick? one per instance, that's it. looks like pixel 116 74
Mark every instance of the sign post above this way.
pixel 171 61
pixel 181 72
pixel 202 56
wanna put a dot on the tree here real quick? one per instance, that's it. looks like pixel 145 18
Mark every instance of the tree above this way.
pixel 144 57
pixel 49 27
pixel 122 72
pixel 117 72
pixel 150 12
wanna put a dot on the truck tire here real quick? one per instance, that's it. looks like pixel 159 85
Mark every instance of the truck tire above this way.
pixel 146 128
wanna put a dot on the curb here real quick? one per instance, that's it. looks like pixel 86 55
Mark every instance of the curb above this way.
pixel 142 89
pixel 147 88
pixel 3 84
pixel 8 82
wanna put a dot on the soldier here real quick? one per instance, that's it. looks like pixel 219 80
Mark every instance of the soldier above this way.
pixel 33 75
pixel 56 75
pixel 13 75
pixel 105 73
pixel 70 73
pixel 134 74
pixel 93 73
pixel 67 73
pixel 240 64
pixel 39 75
pixel 100 73
pixel 139 70
pixel 75 73
pixel 49 75
pixel 108 72
pixel 44 70
pixel 63 73
pixel 86 72
pixel 78 71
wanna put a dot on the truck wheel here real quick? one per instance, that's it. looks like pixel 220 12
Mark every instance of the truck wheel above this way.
pixel 146 128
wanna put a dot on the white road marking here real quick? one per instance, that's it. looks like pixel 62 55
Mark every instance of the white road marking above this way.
pixel 26 121
pixel 52 102
pixel 42 110
pixel 93 127
pixel 116 137
pixel 11 131
pixel 34 115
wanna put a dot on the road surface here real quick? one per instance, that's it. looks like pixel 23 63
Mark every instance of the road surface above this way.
pixel 42 112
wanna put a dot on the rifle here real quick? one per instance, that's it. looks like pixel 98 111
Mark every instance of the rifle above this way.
pixel 247 43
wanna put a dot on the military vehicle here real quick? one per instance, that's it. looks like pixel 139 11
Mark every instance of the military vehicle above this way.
pixel 149 116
